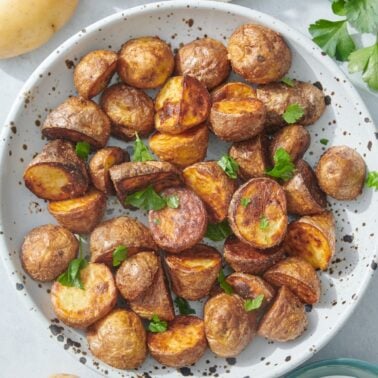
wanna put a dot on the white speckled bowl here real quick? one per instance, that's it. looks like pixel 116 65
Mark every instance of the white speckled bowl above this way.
pixel 346 121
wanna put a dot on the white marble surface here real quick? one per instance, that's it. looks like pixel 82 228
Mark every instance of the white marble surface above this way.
pixel 23 351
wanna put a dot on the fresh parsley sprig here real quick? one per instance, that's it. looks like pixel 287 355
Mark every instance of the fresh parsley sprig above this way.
pixel 372 180
pixel 293 113
pixel 156 325
pixel 183 306
pixel 119 255
pixel 289 82
pixel 227 288
pixel 82 150
pixel 263 222
pixel 141 152
pixel 253 304
pixel 218 231
pixel 283 165
pixel 229 165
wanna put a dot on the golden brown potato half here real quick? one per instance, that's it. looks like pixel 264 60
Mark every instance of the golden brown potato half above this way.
pixel 100 164
pixel 252 156
pixel 80 215
pixel 243 257
pixel 118 339
pixel 182 149
pixel 78 120
pixel 145 62
pixel 94 71
pixel 57 173
pixel 108 235
pixel 258 54
pixel 262 222
pixel 130 111
pixel 285 320
pixel 233 90
pixel 194 271
pixel 312 237
pixel 206 60
pixel 208 180
pixel 303 195
pixel 228 326
pixel 182 103
pixel 47 250
pixel 79 308
pixel 341 173
pixel 175 230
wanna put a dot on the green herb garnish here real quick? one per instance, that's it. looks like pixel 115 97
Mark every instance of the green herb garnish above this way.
pixel 227 288
pixel 146 199
pixel 82 150
pixel 324 141
pixel 218 231
pixel 264 222
pixel 372 180
pixel 283 165
pixel 253 304
pixel 293 113
pixel 289 82
pixel 245 201
pixel 183 306
pixel 172 201
pixel 119 255
pixel 141 152
pixel 229 165
pixel 362 14
pixel 156 325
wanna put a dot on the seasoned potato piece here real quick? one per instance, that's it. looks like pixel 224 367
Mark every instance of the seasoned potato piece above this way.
pixel 262 222
pixel 182 344
pixel 341 173
pixel 182 149
pixel 285 320
pixel 108 235
pixel 243 257
pixel 194 271
pixel 78 120
pixel 312 238
pixel 206 60
pixel 119 339
pixel 145 62
pixel 46 252
pixel 208 180
pixel 57 173
pixel 258 53
pixel 181 104
pixel 175 230
pixel 303 195
pixel 94 71
pixel 233 90
pixel 130 110
pixel 80 308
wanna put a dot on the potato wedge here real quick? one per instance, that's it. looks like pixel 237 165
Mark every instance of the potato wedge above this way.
pixel 57 173
pixel 262 222
pixel 233 90
pixel 80 308
pixel 182 344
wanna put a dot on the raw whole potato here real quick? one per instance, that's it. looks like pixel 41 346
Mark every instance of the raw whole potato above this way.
pixel 233 90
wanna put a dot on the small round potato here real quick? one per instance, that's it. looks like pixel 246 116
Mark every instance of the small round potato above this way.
pixel 258 53
pixel 118 339
pixel 206 60
pixel 233 90
pixel 145 62
pixel 47 250
pixel 341 173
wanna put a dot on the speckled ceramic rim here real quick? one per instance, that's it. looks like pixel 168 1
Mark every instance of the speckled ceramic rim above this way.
pixel 297 38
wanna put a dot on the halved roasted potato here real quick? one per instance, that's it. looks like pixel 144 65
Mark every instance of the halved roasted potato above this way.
pixel 233 90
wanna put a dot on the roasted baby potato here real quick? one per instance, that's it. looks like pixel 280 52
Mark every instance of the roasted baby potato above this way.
pixel 312 238
pixel 341 173
pixel 285 320
pixel 78 120
pixel 233 90
pixel 118 339
pixel 258 53
pixel 57 173
pixel 262 222
pixel 175 230
pixel 206 60
pixel 182 344
pixel 182 149
pixel 182 103
pixel 94 71
pixel 130 111
pixel 194 271
pixel 208 180
pixel 79 308
pixel 47 250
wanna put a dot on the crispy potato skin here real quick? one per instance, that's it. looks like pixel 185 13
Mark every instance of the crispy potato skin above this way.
pixel 228 327
pixel 119 339
pixel 145 62
pixel 268 201
pixel 47 250
pixel 182 149
pixel 205 59
pixel 259 54
pixel 130 111
pixel 80 308
pixel 194 271
pixel 208 180
pixel 233 90
pixel 94 71
pixel 57 173
pixel 175 230
pixel 182 344
pixel 312 238
pixel 341 173
pixel 78 120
